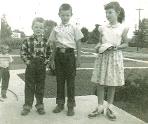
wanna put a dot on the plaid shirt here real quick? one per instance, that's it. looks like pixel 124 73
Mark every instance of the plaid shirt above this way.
pixel 32 48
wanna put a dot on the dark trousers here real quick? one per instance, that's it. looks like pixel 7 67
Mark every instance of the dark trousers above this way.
pixel 34 82
pixel 65 67
pixel 4 76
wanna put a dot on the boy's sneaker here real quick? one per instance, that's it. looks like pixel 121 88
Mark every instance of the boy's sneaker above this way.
pixel 41 111
pixel 25 112
pixel 58 108
pixel 70 111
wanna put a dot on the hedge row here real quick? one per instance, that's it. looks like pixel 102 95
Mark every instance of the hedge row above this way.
pixel 136 87
pixel 13 43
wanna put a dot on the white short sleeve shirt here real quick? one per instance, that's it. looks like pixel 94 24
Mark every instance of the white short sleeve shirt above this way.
pixel 112 33
pixel 65 36
pixel 5 60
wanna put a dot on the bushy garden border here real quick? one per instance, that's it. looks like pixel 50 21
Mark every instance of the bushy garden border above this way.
pixel 13 43
pixel 135 89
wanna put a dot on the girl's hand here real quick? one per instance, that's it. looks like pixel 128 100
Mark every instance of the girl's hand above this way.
pixel 115 48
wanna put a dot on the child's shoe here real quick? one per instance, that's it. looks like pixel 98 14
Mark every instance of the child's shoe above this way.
pixel 96 112
pixel 110 115
pixel 58 108
pixel 25 112
pixel 93 113
pixel 41 111
pixel 70 111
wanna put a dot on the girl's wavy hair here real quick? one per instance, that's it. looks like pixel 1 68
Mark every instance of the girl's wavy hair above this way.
pixel 116 6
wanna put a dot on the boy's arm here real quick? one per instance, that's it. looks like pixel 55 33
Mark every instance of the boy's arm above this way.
pixel 52 46
pixel 51 42
pixel 78 36
pixel 24 52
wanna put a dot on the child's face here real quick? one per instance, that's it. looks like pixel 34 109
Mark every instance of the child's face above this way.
pixel 111 15
pixel 65 16
pixel 38 28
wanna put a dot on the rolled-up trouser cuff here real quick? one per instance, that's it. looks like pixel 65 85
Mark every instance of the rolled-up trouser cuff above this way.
pixel 27 107
pixel 61 102
pixel 3 91
pixel 39 106
pixel 71 104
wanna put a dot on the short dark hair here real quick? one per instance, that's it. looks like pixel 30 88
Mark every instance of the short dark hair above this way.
pixel 65 6
pixel 116 6
pixel 37 19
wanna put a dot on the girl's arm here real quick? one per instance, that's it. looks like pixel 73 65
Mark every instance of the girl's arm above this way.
pixel 124 42
pixel 24 52
pixel 98 44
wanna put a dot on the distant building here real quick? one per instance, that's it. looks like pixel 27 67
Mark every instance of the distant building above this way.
pixel 16 35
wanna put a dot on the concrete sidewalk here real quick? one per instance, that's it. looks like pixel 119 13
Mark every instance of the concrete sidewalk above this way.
pixel 10 109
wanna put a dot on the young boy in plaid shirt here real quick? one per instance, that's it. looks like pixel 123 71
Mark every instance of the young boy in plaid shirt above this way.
pixel 35 54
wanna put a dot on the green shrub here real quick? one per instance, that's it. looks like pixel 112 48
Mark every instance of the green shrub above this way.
pixel 135 89
pixel 13 43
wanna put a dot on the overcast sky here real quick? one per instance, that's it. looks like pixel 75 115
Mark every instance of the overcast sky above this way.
pixel 20 13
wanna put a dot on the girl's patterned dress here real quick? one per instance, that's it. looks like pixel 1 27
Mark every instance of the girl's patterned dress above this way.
pixel 108 67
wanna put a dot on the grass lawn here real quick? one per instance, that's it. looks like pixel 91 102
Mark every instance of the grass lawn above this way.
pixel 86 62
pixel 91 47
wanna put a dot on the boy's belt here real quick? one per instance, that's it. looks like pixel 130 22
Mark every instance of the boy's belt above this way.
pixel 65 50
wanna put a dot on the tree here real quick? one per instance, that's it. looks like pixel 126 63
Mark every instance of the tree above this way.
pixel 95 35
pixel 5 29
pixel 48 26
pixel 85 33
pixel 21 32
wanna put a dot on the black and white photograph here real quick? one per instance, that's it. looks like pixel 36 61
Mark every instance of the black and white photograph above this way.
pixel 74 62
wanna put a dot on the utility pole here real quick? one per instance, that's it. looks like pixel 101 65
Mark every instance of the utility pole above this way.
pixel 139 10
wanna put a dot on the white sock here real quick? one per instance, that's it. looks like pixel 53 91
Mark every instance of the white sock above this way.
pixel 107 105
pixel 100 107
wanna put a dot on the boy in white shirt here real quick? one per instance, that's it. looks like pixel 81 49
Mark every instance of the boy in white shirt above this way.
pixel 64 39
pixel 5 60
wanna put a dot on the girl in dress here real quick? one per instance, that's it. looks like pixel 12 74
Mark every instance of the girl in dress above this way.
pixel 108 68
